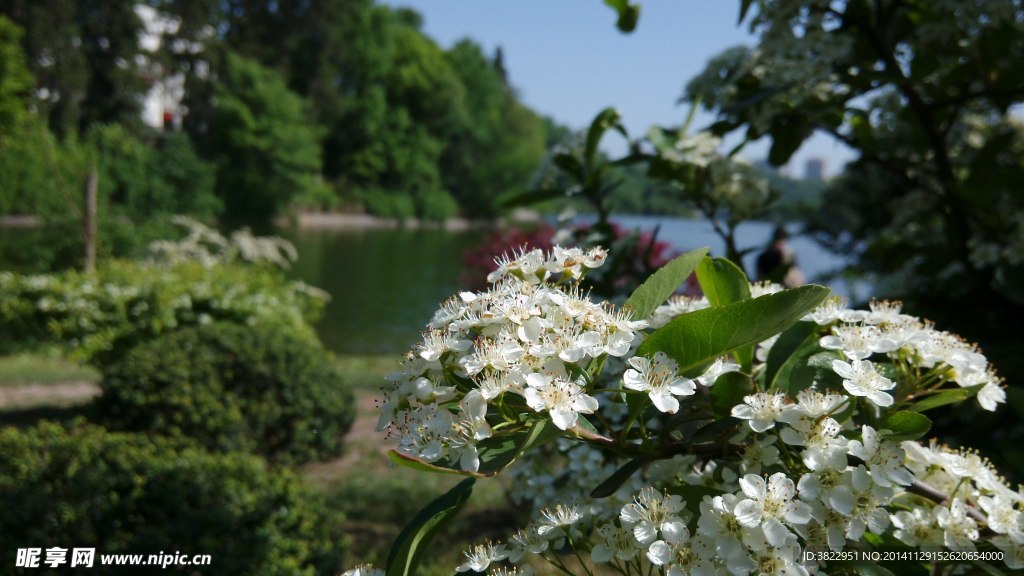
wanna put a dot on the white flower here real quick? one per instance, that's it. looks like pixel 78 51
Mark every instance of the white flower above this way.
pixel 862 501
pixel 991 395
pixel 829 311
pixel 615 543
pixel 886 312
pixel 558 517
pixel 883 458
pixel 562 399
pixel 363 570
pixel 917 527
pixel 761 409
pixel 1002 518
pixel 695 556
pixel 528 540
pixel 861 379
pixel 480 556
pixel 769 505
pixel 659 377
pixel 718 367
pixel 823 447
pixel 857 342
pixel 811 404
pixel 513 571
pixel 650 513
pixel 959 529
pixel 718 521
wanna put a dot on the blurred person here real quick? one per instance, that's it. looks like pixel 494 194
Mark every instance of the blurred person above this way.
pixel 777 263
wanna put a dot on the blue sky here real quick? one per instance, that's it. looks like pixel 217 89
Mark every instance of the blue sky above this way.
pixel 567 59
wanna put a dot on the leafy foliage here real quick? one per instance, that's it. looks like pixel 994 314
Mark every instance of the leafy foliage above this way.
pixel 132 494
pixel 232 388
pixel 260 136
pixel 770 415
pixel 101 316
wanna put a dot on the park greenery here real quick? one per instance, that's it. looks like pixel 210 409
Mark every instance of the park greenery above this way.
pixel 284 105
pixel 732 433
pixel 215 389
pixel 609 423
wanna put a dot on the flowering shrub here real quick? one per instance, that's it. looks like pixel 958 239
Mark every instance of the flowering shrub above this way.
pixel 209 247
pixel 99 316
pixel 752 431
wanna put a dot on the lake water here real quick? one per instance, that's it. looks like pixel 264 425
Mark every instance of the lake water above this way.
pixel 386 283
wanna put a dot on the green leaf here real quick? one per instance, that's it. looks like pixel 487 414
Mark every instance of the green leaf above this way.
pixel 729 390
pixel 724 283
pixel 801 337
pixel 715 430
pixel 698 338
pixel 744 8
pixel 414 464
pixel 519 199
pixel 497 453
pixel 905 425
pixel 951 396
pixel 408 548
pixel 570 164
pixel 618 478
pixel 628 14
pixel 662 284
pixel 609 118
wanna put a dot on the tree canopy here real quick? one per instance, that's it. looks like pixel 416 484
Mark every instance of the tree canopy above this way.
pixel 310 103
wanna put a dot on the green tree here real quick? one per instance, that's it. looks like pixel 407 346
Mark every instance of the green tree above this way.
pixel 266 150
pixel 502 143
pixel 15 80
pixel 86 59
pixel 142 181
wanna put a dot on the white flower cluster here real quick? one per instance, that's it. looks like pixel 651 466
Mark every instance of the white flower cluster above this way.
pixel 207 246
pixel 800 465
pixel 883 331
pixel 532 335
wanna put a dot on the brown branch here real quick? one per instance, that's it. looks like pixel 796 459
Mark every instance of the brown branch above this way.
pixel 935 495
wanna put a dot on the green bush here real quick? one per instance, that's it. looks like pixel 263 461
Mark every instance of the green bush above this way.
pixel 103 315
pixel 129 494
pixel 387 204
pixel 230 387
pixel 436 205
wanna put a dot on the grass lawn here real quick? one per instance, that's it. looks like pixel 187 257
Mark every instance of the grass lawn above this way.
pixel 25 369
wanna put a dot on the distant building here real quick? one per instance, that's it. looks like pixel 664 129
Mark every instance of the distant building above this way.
pixel 162 107
pixel 814 169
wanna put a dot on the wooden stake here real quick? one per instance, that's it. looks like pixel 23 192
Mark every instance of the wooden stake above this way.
pixel 92 184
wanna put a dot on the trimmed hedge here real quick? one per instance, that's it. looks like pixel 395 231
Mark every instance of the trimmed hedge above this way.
pixel 230 387
pixel 129 494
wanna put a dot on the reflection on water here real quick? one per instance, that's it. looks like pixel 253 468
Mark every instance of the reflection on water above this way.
pixel 384 284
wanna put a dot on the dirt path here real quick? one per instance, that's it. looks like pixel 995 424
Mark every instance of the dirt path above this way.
pixel 30 395
pixel 364 446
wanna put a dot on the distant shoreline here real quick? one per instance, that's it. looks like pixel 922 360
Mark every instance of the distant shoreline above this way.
pixel 337 221
pixel 341 221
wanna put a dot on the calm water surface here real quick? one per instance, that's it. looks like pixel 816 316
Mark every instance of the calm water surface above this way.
pixel 386 283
